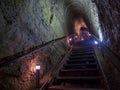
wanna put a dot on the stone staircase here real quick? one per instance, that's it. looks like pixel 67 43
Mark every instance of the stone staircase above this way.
pixel 80 72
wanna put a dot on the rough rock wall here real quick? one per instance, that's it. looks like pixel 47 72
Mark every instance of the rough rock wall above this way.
pixel 21 74
pixel 28 23
pixel 91 16
pixel 110 23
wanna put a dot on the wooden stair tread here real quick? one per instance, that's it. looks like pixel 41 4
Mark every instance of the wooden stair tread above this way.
pixel 56 87
pixel 82 50
pixel 82 64
pixel 88 77
pixel 79 57
pixel 80 60
pixel 92 56
pixel 78 70
pixel 82 53
pixel 81 67
pixel 83 47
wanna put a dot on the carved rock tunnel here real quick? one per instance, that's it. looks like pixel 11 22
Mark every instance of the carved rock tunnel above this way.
pixel 35 31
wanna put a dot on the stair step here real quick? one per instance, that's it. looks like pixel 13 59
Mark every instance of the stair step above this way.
pixel 86 80
pixel 79 73
pixel 56 87
pixel 75 53
pixel 80 67
pixel 75 71
pixel 80 61
pixel 78 54
pixel 72 59
pixel 82 48
pixel 79 70
pixel 82 51
pixel 72 65
pixel 79 78
pixel 80 57
pixel 85 49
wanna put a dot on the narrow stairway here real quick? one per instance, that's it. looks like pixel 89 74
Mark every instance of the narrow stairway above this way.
pixel 81 71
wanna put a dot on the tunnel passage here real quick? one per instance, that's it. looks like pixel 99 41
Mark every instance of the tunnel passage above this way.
pixel 34 31
pixel 101 17
pixel 84 12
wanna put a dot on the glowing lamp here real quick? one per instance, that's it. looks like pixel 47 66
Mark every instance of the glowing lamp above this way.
pixel 37 67
pixel 96 42
pixel 82 39
pixel 76 36
pixel 37 76
pixel 70 39
pixel 89 34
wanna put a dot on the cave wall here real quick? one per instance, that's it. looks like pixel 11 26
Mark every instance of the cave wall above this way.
pixel 28 23
pixel 20 74
pixel 25 25
pixel 109 17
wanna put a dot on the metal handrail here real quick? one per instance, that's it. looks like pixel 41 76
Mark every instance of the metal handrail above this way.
pixel 7 60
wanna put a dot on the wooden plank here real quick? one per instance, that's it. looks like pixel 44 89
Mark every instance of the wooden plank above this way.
pixel 70 88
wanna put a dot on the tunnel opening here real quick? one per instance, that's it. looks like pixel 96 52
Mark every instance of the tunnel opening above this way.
pixel 80 28
pixel 78 24
pixel 85 11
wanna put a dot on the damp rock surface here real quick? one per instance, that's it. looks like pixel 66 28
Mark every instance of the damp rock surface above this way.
pixel 109 16
pixel 28 23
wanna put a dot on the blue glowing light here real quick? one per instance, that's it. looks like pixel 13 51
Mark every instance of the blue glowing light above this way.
pixel 96 42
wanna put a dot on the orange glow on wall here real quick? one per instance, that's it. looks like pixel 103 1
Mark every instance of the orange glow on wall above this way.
pixel 33 64
pixel 78 23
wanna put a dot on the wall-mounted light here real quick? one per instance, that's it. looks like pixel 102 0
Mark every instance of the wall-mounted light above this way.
pixel 37 75
pixel 82 39
pixel 89 34
pixel 70 39
pixel 76 36
pixel 37 67
pixel 96 42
